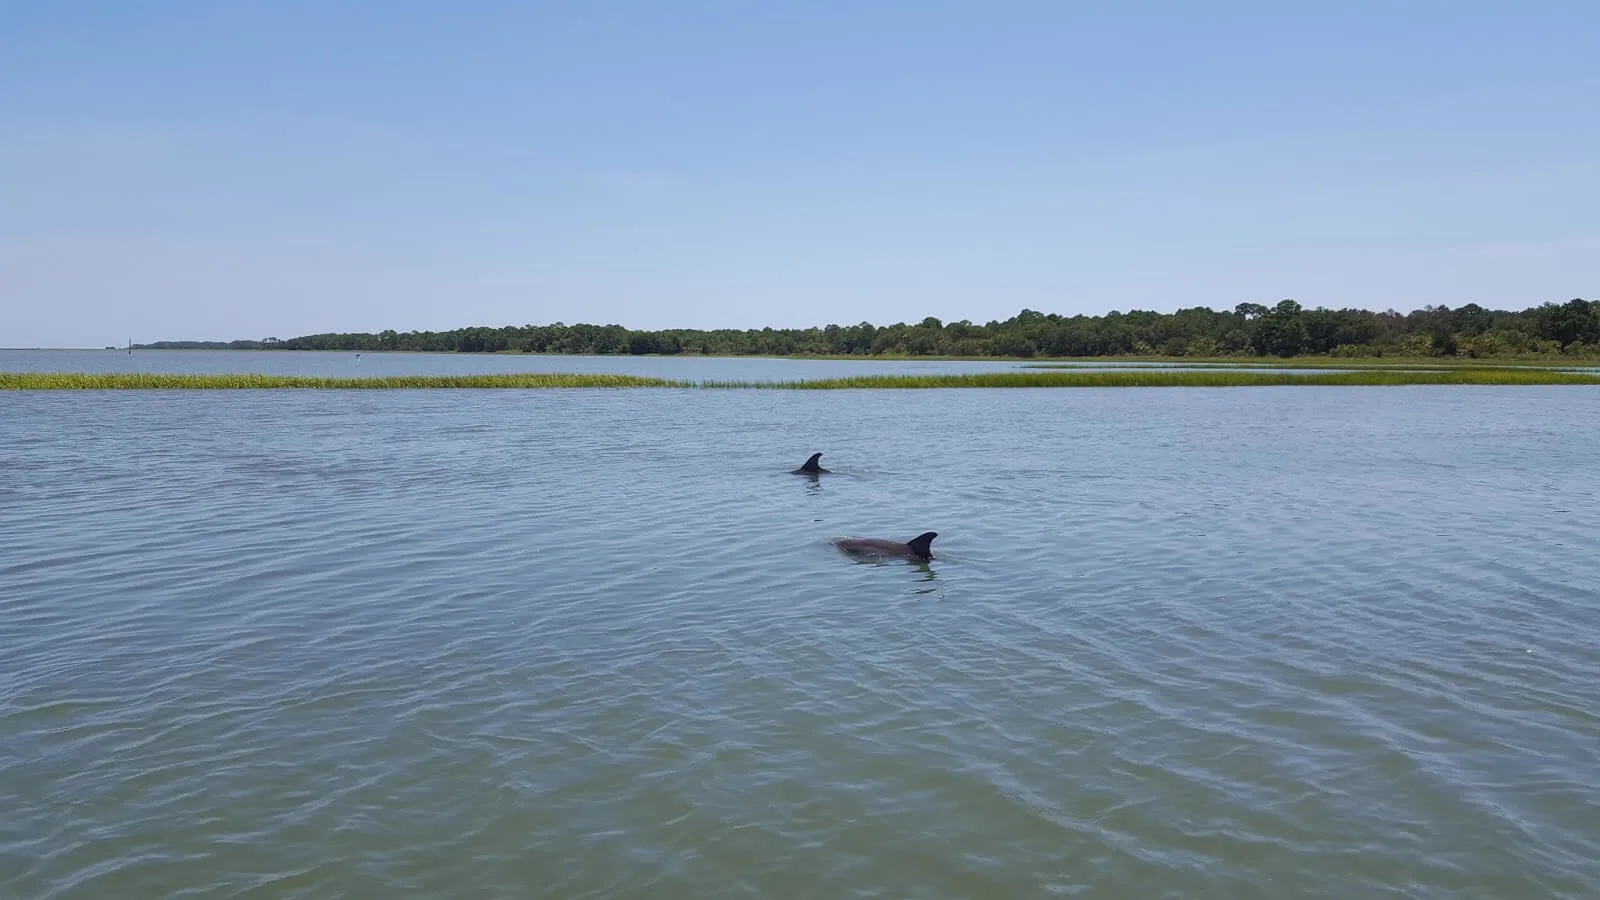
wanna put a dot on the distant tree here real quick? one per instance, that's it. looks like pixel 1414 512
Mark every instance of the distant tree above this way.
pixel 1574 320
pixel 1570 329
pixel 1280 331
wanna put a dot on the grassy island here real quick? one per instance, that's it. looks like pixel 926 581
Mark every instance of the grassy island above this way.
pixel 1057 378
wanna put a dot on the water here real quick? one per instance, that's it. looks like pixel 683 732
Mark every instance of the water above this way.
pixel 1186 643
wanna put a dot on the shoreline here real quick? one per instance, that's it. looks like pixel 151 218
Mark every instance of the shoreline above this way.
pixel 1304 361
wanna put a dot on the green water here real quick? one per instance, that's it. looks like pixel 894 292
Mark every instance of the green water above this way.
pixel 1250 642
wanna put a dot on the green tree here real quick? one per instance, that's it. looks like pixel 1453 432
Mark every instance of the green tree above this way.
pixel 1279 332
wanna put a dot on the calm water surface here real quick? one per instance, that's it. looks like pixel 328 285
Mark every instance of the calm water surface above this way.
pixel 1186 643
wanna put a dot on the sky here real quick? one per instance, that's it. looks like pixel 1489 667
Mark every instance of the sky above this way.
pixel 244 169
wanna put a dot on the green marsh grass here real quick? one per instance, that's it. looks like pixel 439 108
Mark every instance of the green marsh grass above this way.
pixel 155 381
pixel 1023 379
pixel 1316 363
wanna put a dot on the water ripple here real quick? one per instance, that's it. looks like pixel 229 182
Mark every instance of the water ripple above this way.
pixel 1252 643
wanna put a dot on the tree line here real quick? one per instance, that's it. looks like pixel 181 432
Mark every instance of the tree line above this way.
pixel 1284 330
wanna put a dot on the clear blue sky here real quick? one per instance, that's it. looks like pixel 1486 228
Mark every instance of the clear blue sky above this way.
pixel 218 170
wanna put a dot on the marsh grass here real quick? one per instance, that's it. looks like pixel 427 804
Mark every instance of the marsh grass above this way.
pixel 1316 363
pixel 157 381
pixel 1067 378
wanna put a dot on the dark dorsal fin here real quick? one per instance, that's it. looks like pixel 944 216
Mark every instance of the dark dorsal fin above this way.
pixel 811 464
pixel 920 545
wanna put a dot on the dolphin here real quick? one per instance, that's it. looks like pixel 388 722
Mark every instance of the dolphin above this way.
pixel 917 548
pixel 811 467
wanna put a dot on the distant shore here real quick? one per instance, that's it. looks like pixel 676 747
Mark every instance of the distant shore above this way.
pixel 1302 361
pixel 1286 330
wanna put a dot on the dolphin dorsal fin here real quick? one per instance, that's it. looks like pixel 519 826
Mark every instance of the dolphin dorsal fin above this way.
pixel 811 464
pixel 921 545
